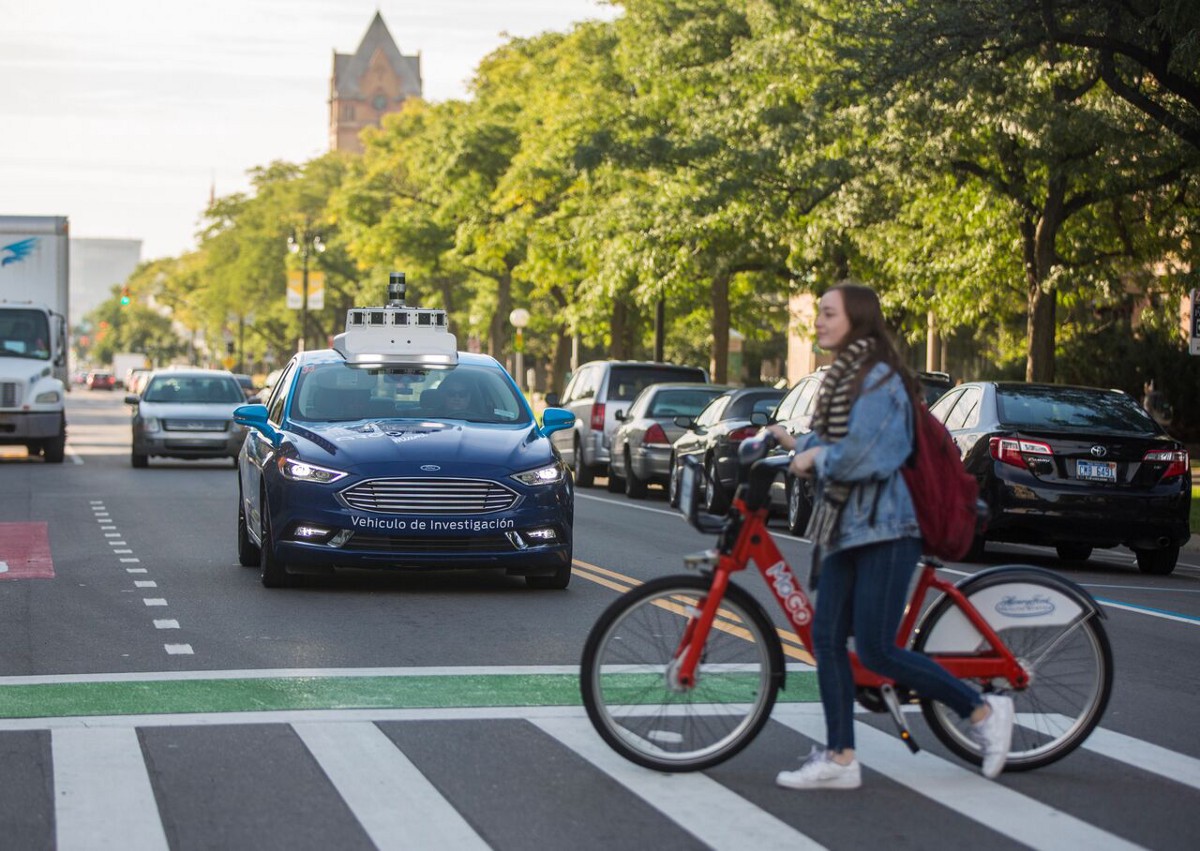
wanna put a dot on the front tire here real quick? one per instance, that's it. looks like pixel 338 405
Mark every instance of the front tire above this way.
pixel 556 581
pixel 55 448
pixel 1070 667
pixel 799 505
pixel 138 460
pixel 274 571
pixel 1073 553
pixel 673 484
pixel 625 676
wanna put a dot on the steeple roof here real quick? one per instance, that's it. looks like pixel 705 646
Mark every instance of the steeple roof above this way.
pixel 349 68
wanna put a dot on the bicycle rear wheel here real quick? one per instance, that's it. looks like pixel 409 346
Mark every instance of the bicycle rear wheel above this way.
pixel 1054 628
pixel 626 676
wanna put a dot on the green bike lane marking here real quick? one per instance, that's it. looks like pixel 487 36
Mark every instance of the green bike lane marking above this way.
pixel 217 694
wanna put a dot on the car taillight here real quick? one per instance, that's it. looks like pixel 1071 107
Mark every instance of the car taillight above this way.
pixel 598 417
pixel 655 434
pixel 1010 450
pixel 744 433
pixel 1175 459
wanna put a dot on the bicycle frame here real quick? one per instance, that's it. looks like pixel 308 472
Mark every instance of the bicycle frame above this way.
pixel 753 542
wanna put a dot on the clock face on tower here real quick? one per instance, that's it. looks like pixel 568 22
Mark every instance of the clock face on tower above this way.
pixel 379 101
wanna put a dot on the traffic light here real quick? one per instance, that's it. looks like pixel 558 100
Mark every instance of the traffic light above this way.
pixel 124 295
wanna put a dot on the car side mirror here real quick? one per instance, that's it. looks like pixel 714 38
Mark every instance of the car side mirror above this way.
pixel 255 417
pixel 131 399
pixel 760 418
pixel 556 419
pixel 619 416
pixel 684 421
pixel 553 400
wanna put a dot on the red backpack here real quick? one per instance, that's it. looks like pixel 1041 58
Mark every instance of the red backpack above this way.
pixel 943 492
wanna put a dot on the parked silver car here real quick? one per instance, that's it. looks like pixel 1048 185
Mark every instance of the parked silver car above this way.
pixel 187 413
pixel 595 393
pixel 641 446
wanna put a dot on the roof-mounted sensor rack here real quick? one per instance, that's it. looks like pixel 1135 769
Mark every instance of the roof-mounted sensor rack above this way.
pixel 397 334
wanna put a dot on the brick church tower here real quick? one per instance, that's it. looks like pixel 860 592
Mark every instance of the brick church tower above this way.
pixel 374 80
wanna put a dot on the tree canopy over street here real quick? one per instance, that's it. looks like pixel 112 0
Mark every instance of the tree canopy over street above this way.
pixel 1021 175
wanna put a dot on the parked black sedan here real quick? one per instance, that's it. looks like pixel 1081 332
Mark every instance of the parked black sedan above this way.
pixel 1073 468
pixel 713 437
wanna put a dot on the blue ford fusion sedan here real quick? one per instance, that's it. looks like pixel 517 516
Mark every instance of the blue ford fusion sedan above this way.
pixel 393 450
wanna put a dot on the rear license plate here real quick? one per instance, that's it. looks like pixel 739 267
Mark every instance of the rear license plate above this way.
pixel 1096 471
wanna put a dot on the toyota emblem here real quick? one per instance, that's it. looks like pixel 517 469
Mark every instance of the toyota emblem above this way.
pixel 433 468
pixel 1099 451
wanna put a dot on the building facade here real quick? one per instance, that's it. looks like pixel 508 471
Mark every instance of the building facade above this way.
pixel 366 85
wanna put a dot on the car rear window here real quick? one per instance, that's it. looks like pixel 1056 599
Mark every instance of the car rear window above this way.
pixel 681 403
pixel 626 382
pixel 1072 408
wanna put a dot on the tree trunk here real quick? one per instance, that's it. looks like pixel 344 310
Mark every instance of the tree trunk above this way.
pixel 1041 319
pixel 719 368
pixel 499 327
pixel 618 327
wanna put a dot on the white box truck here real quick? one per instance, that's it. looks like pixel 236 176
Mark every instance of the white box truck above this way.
pixel 34 334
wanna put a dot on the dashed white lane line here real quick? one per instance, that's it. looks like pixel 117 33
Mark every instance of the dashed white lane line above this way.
pixel 135 570
pixel 154 601
pixel 166 624
pixel 145 583
pixel 178 649
pixel 131 561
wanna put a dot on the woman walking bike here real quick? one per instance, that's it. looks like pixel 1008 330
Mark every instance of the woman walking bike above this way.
pixel 681 672
pixel 867 540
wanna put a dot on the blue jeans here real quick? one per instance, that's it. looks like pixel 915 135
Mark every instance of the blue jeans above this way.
pixel 866 589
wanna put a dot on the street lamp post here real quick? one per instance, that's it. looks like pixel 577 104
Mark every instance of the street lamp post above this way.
pixel 303 243
pixel 519 319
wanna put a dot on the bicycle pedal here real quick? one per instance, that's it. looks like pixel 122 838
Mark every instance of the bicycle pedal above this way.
pixel 893 706
pixel 701 561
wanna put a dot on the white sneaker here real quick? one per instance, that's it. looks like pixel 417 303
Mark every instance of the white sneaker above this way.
pixel 994 733
pixel 819 771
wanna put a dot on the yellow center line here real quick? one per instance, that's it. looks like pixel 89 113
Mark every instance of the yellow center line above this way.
pixel 792 646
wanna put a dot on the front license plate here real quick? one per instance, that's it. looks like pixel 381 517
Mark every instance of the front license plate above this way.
pixel 1096 471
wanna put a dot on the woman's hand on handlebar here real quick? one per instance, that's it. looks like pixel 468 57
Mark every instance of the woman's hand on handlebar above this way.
pixel 781 436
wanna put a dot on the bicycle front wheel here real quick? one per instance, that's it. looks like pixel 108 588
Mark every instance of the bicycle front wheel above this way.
pixel 1054 628
pixel 632 696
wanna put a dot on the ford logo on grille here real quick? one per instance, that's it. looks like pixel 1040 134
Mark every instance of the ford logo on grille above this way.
pixel 430 468
pixel 1099 451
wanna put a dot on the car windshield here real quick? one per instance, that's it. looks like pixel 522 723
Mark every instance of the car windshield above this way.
pixel 193 389
pixel 339 392
pixel 24 334
pixel 628 381
pixel 681 403
pixel 1071 408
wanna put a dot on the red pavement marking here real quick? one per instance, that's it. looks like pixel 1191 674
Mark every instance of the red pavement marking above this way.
pixel 25 551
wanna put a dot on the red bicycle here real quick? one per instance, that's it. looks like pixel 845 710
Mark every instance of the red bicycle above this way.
pixel 682 672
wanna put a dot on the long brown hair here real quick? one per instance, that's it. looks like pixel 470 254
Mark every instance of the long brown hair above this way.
pixel 865 313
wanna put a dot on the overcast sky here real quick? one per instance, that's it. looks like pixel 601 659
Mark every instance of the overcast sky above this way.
pixel 122 113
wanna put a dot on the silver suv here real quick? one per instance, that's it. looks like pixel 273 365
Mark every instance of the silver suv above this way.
pixel 595 393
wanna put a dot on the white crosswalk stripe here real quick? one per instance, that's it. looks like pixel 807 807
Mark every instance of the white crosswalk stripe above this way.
pixel 103 794
pixel 992 804
pixel 399 809
pixel 703 807
pixel 103 797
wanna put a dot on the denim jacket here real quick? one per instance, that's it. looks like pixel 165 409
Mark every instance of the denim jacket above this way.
pixel 879 440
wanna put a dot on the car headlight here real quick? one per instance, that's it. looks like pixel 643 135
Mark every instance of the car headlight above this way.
pixel 299 471
pixel 47 398
pixel 542 475
pixel 149 423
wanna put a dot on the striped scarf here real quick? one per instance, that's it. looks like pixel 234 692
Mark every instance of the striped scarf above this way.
pixel 831 419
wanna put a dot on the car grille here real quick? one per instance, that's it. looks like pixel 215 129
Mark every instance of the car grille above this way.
pixel 392 544
pixel 195 425
pixel 10 394
pixel 430 496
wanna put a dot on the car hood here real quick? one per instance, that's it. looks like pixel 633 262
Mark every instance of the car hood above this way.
pixel 188 410
pixel 394 448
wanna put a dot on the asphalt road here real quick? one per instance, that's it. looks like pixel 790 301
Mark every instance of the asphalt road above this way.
pixel 153 694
